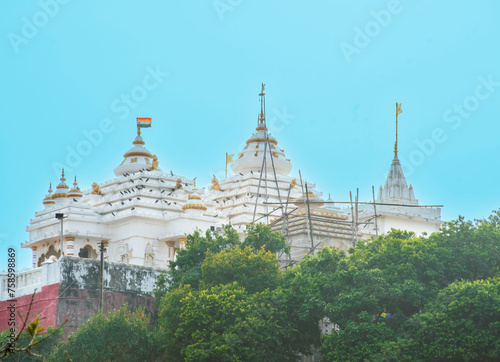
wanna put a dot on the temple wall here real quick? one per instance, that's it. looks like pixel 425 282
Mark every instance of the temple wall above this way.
pixel 69 290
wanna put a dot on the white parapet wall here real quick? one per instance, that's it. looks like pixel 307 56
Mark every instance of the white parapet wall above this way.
pixel 25 282
pixel 81 273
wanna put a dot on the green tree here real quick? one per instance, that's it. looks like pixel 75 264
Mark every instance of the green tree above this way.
pixel 400 274
pixel 253 270
pixel 186 269
pixel 411 266
pixel 237 311
pixel 118 336
pixel 360 339
pixel 262 236
pixel 169 321
pixel 462 324
pixel 469 251
pixel 226 323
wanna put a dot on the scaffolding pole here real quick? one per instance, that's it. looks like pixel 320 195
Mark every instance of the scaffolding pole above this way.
pixel 375 211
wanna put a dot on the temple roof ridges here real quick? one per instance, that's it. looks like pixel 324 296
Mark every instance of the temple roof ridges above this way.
pixel 396 188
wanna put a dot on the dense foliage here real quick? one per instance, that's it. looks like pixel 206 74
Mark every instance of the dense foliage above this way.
pixel 118 336
pixel 186 269
pixel 380 295
pixel 398 297
pixel 236 307
pixel 462 323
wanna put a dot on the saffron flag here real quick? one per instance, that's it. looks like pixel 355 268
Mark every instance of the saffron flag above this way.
pixel 229 158
pixel 143 122
pixel 398 108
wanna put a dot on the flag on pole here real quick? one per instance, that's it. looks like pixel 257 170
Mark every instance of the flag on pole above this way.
pixel 143 122
pixel 398 108
pixel 229 159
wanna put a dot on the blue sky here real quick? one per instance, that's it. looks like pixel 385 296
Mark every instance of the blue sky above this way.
pixel 333 72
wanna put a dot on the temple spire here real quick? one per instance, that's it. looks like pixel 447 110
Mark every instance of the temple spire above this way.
pixel 396 189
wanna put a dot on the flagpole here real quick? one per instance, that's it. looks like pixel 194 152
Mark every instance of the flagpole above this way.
pixel 396 144
pixel 226 164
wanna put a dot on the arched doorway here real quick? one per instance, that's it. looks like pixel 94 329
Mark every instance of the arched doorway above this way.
pixel 87 252
pixel 48 254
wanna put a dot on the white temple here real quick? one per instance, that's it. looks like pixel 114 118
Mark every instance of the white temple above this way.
pixel 397 208
pixel 144 213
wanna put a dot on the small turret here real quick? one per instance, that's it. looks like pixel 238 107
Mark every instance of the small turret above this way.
pixel 194 204
pixel 61 194
pixel 75 192
pixel 48 200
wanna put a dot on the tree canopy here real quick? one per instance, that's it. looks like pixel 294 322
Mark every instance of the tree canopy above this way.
pixel 394 298
pixel 235 309
pixel 120 335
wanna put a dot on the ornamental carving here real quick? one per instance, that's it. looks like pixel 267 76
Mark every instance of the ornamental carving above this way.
pixel 155 163
pixel 215 184
pixel 96 190
pixel 178 185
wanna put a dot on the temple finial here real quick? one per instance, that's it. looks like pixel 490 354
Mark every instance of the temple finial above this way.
pixel 398 111
pixel 262 116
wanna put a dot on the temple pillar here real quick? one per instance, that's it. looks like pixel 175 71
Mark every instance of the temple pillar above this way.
pixel 171 250
pixel 34 259
pixel 70 246
pixel 182 243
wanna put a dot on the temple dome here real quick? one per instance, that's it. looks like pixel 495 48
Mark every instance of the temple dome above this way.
pixel 251 157
pixel 75 191
pixel 61 190
pixel 194 203
pixel 314 201
pixel 48 200
pixel 137 158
